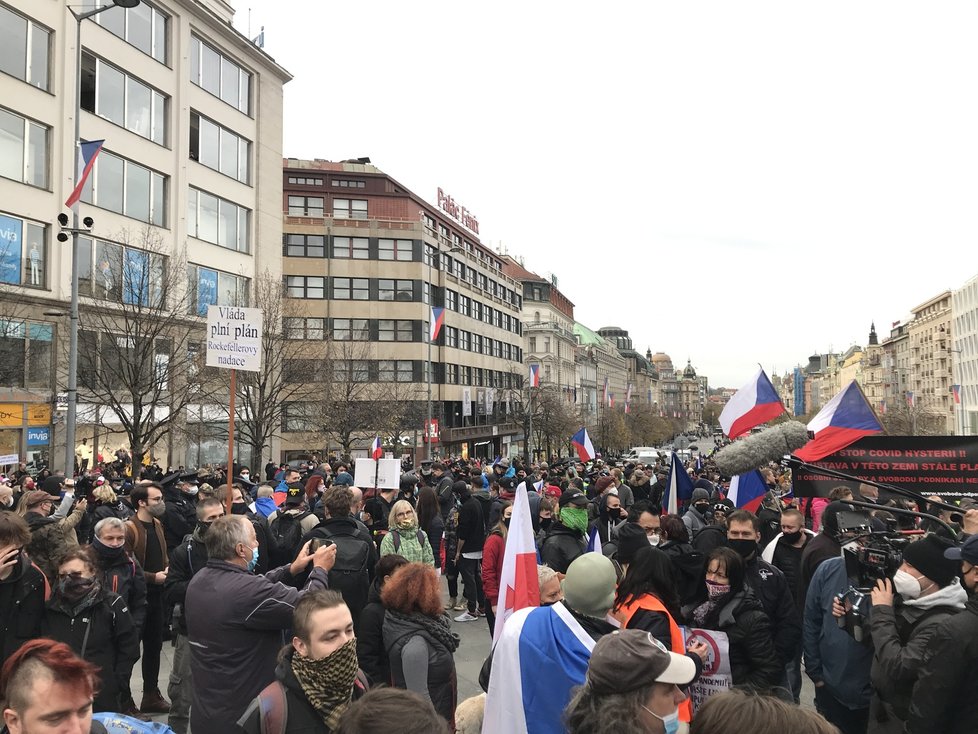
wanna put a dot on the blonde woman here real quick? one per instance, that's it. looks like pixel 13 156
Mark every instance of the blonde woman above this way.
pixel 404 536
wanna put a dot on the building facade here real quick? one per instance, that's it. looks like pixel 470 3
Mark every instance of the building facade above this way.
pixel 930 359
pixel 964 317
pixel 190 112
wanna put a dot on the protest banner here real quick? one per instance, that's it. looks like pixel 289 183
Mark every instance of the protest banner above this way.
pixel 716 676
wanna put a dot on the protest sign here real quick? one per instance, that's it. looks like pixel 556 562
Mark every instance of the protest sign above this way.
pixel 716 676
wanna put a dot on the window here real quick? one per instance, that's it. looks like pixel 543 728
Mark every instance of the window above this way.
pixel 26 353
pixel 466 377
pixel 487 314
pixel 487 346
pixel 476 343
pixel 298 328
pixel 306 206
pixel 24 49
pixel 451 336
pixel 304 245
pixel 351 289
pixel 121 274
pixel 401 250
pixel 216 288
pixel 483 282
pixel 298 417
pixel 23 150
pixel 497 317
pixel 464 305
pixel 127 188
pixel 405 370
pixel 464 340
pixel 451 374
pixel 114 95
pixel 350 208
pixel 218 148
pixel 348 183
pixel 425 293
pixel 142 26
pixel 354 248
pixel 430 255
pixel 451 300
pixel 217 221
pixel 305 181
pixel 302 286
pixel 346 330
pixel 23 252
pixel 459 270
pixel 476 310
pixel 477 374
pixel 395 290
pixel 215 73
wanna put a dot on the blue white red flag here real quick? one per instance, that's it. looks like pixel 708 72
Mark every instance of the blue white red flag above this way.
pixel 520 699
pixel 593 541
pixel 518 584
pixel 437 321
pixel 582 444
pixel 844 420
pixel 87 153
pixel 534 375
pixel 956 389
pixel 680 486
pixel 747 490
pixel 606 395
pixel 755 403
pixel 376 450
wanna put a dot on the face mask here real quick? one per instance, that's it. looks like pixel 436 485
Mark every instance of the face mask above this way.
pixel 254 559
pixel 202 528
pixel 191 491
pixel 157 510
pixel 74 588
pixel 745 548
pixel 506 522
pixel 546 522
pixel 107 551
pixel 408 524
pixel 906 585
pixel 792 537
pixel 574 518
pixel 715 590
pixel 670 721
pixel 239 508
pixel 702 507
pixel 653 540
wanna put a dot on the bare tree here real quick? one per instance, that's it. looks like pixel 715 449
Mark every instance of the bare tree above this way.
pixel 136 320
pixel 913 420
pixel 346 403
pixel 402 409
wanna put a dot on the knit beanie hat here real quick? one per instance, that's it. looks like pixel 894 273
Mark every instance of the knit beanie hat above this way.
pixel 700 494
pixel 589 586
pixel 927 556
pixel 631 538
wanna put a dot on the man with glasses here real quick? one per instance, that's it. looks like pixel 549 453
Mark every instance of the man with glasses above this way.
pixel 21 587
pixel 945 698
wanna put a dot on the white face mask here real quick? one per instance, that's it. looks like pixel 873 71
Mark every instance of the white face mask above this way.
pixel 669 721
pixel 653 539
pixel 906 585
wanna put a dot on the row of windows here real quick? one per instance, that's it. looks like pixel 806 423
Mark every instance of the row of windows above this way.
pixel 355 248
pixel 120 98
pixel 357 289
pixel 217 147
pixel 304 181
pixel 23 150
pixel 315 206
pixel 143 27
pixel 216 220
pixel 481 312
pixel 114 272
pixel 471 342
pixel 209 287
pixel 214 72
pixel 354 370
pixel 128 188
pixel 385 330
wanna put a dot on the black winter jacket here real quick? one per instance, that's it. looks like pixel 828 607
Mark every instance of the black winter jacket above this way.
pixel 440 686
pixel 772 590
pixel 561 546
pixel 180 518
pixel 370 639
pixel 186 560
pixel 754 661
pixel 22 598
pixel 102 633
pixel 123 575
pixel 945 697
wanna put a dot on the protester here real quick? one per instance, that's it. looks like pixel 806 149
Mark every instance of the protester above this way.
pixel 95 623
pixel 418 637
pixel 51 536
pixel 632 687
pixel 492 563
pixel 733 608
pixel 370 639
pixel 566 540
pixel 697 516
pixel 687 562
pixel 471 534
pixel 548 581
pixel 235 619
pixel 610 515
pixel 404 537
pixel 387 710
pixel 288 526
pixel 430 521
pixel 23 588
pixel 758 714
pixel 318 673
pixel 180 499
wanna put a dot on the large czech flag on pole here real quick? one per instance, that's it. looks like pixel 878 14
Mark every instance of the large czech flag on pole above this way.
pixel 582 443
pixel 534 375
pixel 437 321
pixel 844 420
pixel 755 403
pixel 518 584
pixel 747 490
pixel 87 153
pixel 680 486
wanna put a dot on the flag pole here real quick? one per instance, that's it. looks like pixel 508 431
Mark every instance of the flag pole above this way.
pixel 230 472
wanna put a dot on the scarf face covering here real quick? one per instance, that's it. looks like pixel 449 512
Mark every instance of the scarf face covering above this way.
pixel 328 682
pixel 574 518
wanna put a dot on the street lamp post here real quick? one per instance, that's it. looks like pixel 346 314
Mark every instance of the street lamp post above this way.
pixel 72 411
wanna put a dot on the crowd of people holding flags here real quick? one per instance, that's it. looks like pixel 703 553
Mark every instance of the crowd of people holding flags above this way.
pixel 618 597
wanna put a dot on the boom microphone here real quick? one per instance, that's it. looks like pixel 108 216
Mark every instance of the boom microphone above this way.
pixel 755 451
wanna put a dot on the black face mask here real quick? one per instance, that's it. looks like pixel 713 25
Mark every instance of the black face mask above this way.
pixel 506 522
pixel 792 537
pixel 546 522
pixel 74 588
pixel 744 548
pixel 106 551
pixel 202 527
pixel 702 507
pixel 239 508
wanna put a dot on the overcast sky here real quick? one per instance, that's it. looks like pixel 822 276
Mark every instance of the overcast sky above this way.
pixel 734 182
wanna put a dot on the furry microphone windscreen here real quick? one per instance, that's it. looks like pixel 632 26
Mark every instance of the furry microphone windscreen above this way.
pixel 756 451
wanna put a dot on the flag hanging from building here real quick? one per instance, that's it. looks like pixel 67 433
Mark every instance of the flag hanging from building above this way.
pixel 844 420
pixel 518 585
pixel 628 398
pixel 883 407
pixel 490 400
pixel 437 321
pixel 582 443
pixel 87 153
pixel 755 403
pixel 956 389
pixel 376 450
pixel 910 399
pixel 606 394
pixel 679 486
pixel 534 375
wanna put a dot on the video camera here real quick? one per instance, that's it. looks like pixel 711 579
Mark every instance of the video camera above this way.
pixel 876 555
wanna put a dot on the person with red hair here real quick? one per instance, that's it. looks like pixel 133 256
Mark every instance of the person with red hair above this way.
pixel 45 681
pixel 418 637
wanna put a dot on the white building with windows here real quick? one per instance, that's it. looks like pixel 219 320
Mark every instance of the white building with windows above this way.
pixel 191 114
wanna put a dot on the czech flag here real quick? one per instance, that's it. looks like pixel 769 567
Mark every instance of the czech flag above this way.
pixel 747 491
pixel 376 450
pixel 437 321
pixel 680 486
pixel 755 403
pixel 534 375
pixel 956 389
pixel 87 153
pixel 518 584
pixel 582 443
pixel 844 420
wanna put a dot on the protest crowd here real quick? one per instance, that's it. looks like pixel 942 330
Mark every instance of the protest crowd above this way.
pixel 621 596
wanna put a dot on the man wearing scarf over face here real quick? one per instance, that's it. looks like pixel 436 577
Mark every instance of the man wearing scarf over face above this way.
pixel 318 673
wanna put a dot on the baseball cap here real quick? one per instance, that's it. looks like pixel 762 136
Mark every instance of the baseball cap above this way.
pixel 39 496
pixel 968 551
pixel 295 494
pixel 572 497
pixel 627 660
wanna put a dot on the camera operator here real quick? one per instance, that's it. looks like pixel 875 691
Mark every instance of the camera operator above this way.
pixel 945 696
pixel 928 585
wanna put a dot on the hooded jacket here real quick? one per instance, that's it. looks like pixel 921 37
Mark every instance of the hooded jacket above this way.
pixel 421 663
pixel 693 519
pixel 123 575
pixel 51 538
pixel 561 546
pixel 187 559
pixel 22 597
pixel 607 526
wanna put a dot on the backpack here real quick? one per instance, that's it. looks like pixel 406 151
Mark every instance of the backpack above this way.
pixel 286 534
pixel 273 706
pixel 121 724
pixel 422 539
pixel 349 574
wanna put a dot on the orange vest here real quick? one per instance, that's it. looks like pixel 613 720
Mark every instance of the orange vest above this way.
pixel 625 613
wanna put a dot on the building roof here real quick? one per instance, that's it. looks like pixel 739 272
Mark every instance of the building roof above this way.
pixel 586 336
pixel 514 270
